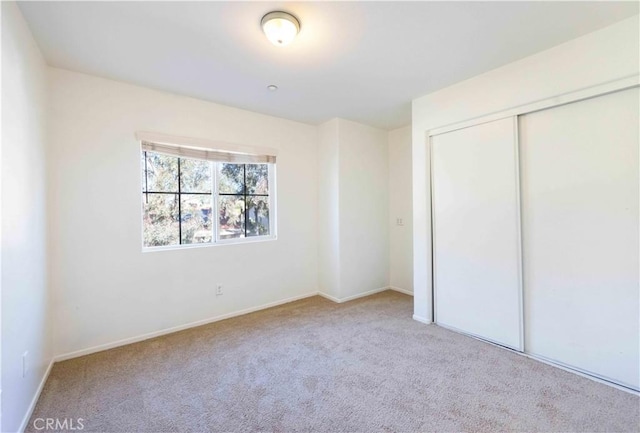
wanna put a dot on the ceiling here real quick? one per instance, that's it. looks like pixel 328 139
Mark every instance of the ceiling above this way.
pixel 363 61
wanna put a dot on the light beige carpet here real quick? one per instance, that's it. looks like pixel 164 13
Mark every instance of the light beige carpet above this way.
pixel 312 365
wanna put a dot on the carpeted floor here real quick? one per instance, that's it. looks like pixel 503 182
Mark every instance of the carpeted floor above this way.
pixel 312 365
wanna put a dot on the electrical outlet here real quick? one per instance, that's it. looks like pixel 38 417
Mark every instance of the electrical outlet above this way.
pixel 25 366
pixel 219 290
pixel 399 222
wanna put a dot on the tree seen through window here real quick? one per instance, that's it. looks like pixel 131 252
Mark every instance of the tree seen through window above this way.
pixel 182 196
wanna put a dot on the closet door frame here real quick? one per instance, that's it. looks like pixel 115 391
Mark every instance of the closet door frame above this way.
pixel 624 83
pixel 520 287
pixel 554 101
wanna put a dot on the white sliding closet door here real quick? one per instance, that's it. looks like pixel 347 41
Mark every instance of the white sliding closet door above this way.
pixel 476 231
pixel 579 166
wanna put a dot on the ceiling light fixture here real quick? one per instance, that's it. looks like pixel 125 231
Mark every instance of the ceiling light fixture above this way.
pixel 280 27
pixel 272 87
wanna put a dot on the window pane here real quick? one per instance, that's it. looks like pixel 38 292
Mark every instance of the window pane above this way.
pixel 231 216
pixel 257 216
pixel 196 218
pixel 257 179
pixel 231 178
pixel 162 172
pixel 160 221
pixel 195 175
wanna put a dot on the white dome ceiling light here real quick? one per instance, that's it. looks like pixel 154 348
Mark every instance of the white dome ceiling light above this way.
pixel 280 27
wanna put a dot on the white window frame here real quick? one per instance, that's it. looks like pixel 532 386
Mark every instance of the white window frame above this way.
pixel 216 241
pixel 271 178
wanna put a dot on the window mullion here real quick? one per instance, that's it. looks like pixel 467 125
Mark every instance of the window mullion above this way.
pixel 215 199
pixel 244 190
pixel 179 206
pixel 146 180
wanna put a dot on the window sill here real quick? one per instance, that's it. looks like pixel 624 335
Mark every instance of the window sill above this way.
pixel 241 241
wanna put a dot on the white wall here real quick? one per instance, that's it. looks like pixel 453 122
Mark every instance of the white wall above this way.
pixel 596 58
pixel 364 231
pixel 400 236
pixel 105 288
pixel 26 325
pixel 328 208
pixel 353 209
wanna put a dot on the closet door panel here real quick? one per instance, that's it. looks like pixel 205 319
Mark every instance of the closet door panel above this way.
pixel 476 231
pixel 580 189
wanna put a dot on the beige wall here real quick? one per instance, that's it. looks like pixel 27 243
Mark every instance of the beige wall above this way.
pixel 364 232
pixel 107 290
pixel 26 324
pixel 328 209
pixel 353 191
pixel 400 236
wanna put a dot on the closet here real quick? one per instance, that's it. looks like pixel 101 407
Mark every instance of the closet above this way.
pixel 535 221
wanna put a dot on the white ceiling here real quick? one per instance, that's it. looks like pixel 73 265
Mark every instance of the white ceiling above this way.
pixel 362 61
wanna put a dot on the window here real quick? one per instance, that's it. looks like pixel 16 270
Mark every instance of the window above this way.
pixel 243 200
pixel 189 200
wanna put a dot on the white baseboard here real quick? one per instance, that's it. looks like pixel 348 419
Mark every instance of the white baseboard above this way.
pixel 422 319
pixel 329 297
pixel 171 330
pixel 36 396
pixel 125 341
pixel 398 289
pixel 352 297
